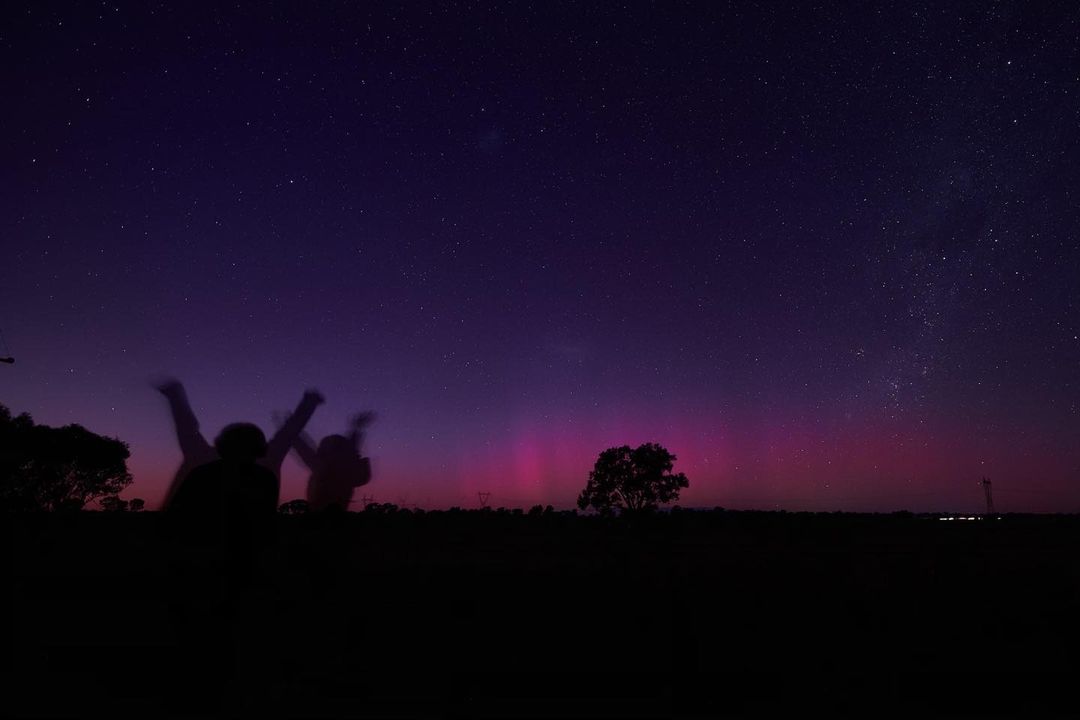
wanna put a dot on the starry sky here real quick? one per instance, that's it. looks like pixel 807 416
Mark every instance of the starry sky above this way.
pixel 825 253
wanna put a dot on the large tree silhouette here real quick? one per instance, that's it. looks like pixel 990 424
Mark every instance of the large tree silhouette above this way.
pixel 47 468
pixel 632 479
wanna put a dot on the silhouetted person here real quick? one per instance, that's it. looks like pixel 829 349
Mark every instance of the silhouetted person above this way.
pixel 197 451
pixel 229 504
pixel 221 519
pixel 337 465
pixel 337 469
pixel 235 482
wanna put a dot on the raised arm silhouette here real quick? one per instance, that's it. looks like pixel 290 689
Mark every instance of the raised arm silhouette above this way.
pixel 194 448
pixel 289 434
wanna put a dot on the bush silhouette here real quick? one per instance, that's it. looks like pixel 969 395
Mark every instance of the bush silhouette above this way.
pixel 632 479
pixel 114 503
pixel 294 507
pixel 64 468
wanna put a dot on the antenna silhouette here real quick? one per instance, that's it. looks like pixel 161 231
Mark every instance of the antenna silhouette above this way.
pixel 484 497
pixel 989 496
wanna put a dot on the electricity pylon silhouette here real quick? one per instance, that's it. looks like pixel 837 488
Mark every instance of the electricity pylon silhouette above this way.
pixel 484 497
pixel 989 496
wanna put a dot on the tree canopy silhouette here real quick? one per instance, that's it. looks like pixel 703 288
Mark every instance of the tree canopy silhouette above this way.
pixel 628 478
pixel 47 468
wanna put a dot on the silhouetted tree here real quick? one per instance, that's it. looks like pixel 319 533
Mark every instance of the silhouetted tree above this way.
pixel 294 507
pixel 632 479
pixel 47 468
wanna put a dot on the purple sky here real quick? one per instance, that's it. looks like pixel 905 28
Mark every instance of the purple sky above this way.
pixel 826 256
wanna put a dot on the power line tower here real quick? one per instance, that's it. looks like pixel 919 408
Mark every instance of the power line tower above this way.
pixel 484 497
pixel 367 500
pixel 989 496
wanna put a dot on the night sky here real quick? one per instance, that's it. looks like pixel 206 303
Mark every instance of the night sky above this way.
pixel 826 255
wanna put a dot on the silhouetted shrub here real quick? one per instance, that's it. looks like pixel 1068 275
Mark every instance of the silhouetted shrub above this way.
pixel 112 503
pixel 294 507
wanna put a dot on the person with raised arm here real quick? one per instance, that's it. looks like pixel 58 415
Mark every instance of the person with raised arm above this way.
pixel 196 451
pixel 337 464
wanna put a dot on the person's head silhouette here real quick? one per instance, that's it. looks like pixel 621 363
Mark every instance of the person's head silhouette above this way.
pixel 241 442
pixel 336 449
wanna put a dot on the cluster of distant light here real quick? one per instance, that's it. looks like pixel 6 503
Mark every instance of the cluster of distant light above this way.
pixel 965 517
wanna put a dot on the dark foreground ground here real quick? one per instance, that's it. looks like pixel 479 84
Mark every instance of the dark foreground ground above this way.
pixel 494 614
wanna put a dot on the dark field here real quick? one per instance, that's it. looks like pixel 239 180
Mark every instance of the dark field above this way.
pixel 496 614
